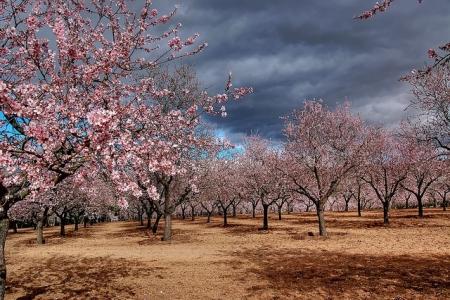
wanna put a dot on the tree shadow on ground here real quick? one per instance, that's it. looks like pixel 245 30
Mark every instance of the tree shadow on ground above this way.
pixel 53 237
pixel 397 222
pixel 305 274
pixel 79 278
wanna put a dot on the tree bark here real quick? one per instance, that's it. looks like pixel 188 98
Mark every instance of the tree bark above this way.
pixel 76 223
pixel 359 207
pixel 167 214
pixel 279 212
pixel 167 226
pixel 225 213
pixel 4 226
pixel 155 225
pixel 386 212
pixel 192 213
pixel 183 212
pixel 40 227
pixel 40 233
pixel 253 211
pixel 321 217
pixel 209 218
pixel 141 219
pixel 346 206
pixel 266 217
pixel 62 231
pixel 420 206
pixel 14 226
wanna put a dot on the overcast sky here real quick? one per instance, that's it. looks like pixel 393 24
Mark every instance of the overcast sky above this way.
pixel 292 50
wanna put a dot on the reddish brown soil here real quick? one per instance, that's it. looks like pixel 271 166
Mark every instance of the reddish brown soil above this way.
pixel 361 259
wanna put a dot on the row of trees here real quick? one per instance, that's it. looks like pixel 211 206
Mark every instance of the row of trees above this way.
pixel 329 156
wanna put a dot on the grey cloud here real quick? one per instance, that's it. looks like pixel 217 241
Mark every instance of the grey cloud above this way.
pixel 291 50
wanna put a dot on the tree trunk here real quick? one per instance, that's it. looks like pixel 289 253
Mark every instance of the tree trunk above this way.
pixel 167 214
pixel 234 211
pixel 444 203
pixel 253 211
pixel 40 232
pixel 167 226
pixel 183 212
pixel 225 215
pixel 386 212
pixel 209 218
pixel 76 223
pixel 288 209
pixel 346 206
pixel 321 216
pixel 420 205
pixel 14 226
pixel 407 203
pixel 4 226
pixel 266 217
pixel 192 213
pixel 40 227
pixel 141 218
pixel 85 221
pixel 359 207
pixel 149 222
pixel 62 231
pixel 155 225
pixel 279 212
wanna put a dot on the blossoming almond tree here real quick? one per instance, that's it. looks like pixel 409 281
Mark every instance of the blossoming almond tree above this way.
pixel 385 167
pixel 262 175
pixel 71 87
pixel 424 166
pixel 323 147
pixel 432 103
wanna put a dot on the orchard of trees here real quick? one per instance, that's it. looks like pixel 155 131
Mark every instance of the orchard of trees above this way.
pixel 100 118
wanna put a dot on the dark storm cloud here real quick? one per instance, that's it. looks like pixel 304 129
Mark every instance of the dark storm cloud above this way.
pixel 292 50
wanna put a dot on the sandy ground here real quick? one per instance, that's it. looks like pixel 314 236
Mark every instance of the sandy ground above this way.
pixel 361 259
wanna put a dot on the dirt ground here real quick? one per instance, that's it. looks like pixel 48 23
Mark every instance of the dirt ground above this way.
pixel 361 259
